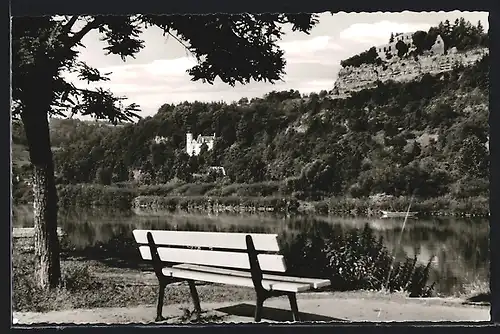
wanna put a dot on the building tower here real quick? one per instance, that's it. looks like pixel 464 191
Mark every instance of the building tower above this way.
pixel 189 143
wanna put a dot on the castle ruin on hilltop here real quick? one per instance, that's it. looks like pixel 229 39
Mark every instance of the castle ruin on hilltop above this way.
pixel 437 48
pixel 193 146
pixel 434 61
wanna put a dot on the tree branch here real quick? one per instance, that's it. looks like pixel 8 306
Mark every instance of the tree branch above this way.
pixel 67 27
pixel 78 36
pixel 180 42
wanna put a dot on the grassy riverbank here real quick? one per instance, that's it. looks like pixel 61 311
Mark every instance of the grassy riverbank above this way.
pixel 443 206
pixel 212 197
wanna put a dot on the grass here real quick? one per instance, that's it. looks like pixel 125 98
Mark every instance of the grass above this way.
pixel 85 284
pixel 478 293
pixel 20 155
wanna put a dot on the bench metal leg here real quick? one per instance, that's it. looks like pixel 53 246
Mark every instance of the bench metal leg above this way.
pixel 161 295
pixel 194 295
pixel 258 309
pixel 293 305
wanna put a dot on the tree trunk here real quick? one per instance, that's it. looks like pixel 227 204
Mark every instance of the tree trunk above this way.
pixel 47 263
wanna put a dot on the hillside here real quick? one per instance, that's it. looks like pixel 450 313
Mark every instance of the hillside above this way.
pixel 62 131
pixel 426 137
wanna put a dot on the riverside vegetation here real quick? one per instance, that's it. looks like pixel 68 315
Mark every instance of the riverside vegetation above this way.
pixel 258 197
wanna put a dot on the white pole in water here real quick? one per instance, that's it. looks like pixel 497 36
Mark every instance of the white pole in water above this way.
pixel 398 244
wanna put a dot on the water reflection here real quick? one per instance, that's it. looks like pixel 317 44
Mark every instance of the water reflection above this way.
pixel 459 247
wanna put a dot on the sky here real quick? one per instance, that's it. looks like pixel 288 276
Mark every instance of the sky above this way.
pixel 158 73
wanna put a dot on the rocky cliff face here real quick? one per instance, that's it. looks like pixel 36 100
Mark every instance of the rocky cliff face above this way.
pixel 351 79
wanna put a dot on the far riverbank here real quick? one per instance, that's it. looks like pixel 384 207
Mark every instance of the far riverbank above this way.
pixel 253 198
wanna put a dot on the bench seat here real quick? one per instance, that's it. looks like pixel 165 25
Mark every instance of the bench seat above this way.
pixel 238 280
pixel 312 283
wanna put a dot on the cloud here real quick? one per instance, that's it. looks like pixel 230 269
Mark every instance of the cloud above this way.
pixel 159 68
pixel 312 50
pixel 378 32
pixel 314 86
pixel 171 67
pixel 134 78
pixel 310 67
pixel 318 43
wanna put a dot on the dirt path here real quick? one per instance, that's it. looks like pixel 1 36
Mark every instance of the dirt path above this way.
pixel 314 307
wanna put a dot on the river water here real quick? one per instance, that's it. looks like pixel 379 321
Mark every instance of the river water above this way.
pixel 459 247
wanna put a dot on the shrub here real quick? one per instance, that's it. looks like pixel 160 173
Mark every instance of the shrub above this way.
pixel 194 189
pixel 353 260
pixel 90 195
pixel 367 57
pixel 258 189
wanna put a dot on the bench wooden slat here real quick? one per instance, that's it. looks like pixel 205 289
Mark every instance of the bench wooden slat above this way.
pixel 314 282
pixel 262 242
pixel 234 280
pixel 268 262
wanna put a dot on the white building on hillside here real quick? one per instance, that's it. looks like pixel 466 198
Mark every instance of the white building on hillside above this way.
pixel 160 140
pixel 218 169
pixel 193 146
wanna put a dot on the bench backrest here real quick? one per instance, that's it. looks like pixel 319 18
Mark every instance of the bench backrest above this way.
pixel 212 248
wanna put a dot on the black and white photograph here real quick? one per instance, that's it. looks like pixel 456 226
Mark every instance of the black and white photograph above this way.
pixel 250 168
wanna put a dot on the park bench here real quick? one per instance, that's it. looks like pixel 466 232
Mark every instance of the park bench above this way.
pixel 239 259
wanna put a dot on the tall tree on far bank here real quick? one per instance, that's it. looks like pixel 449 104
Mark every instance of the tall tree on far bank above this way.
pixel 233 48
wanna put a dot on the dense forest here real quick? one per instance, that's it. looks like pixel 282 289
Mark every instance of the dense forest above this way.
pixel 426 138
pixel 462 35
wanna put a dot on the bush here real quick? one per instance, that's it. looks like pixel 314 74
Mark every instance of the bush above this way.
pixel 470 187
pixel 353 260
pixel 367 57
pixel 263 189
pixel 158 190
pixel 194 189
pixel 91 195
